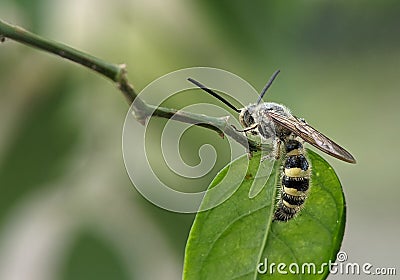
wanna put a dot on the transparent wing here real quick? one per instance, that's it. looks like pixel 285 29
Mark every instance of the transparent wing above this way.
pixel 312 136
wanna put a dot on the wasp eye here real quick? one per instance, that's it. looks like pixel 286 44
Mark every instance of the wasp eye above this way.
pixel 246 119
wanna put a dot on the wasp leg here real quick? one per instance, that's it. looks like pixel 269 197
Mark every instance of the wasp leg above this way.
pixel 278 149
pixel 275 154
pixel 252 127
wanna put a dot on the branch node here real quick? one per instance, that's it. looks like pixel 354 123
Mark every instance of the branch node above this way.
pixel 118 74
pixel 140 116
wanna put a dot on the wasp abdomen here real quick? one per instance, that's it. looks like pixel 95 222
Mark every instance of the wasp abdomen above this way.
pixel 295 182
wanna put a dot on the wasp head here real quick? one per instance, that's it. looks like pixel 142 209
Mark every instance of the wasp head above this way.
pixel 245 117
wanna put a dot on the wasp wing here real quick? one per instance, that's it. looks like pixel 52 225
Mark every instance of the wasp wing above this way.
pixel 312 136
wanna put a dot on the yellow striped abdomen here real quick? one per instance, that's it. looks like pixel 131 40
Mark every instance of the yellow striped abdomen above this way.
pixel 295 182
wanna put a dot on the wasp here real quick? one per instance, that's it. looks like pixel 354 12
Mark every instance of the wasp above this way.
pixel 274 121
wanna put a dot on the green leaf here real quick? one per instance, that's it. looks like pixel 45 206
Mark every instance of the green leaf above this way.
pixel 232 239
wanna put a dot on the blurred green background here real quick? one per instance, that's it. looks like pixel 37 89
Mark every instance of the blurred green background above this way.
pixel 67 207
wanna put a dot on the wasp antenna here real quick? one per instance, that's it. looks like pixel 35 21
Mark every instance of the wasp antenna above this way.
pixel 268 85
pixel 213 93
